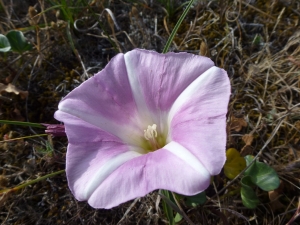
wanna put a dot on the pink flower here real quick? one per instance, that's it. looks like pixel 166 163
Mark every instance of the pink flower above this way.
pixel 147 121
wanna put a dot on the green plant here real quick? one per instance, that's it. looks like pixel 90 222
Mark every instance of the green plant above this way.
pixel 258 174
pixel 69 10
pixel 14 41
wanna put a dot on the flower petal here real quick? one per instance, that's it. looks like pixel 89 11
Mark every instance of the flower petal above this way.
pixel 161 169
pixel 158 79
pixel 89 149
pixel 106 101
pixel 169 168
pixel 79 131
pixel 198 118
pixel 89 164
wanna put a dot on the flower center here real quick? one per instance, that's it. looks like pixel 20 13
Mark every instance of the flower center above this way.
pixel 151 136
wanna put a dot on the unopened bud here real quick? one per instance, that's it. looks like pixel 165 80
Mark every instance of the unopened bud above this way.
pixel 56 130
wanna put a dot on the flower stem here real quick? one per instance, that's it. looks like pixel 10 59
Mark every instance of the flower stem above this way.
pixel 166 207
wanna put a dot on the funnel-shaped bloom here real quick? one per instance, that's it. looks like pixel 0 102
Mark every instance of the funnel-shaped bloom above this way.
pixel 147 121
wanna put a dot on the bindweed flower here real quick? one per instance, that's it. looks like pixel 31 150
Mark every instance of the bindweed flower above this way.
pixel 147 121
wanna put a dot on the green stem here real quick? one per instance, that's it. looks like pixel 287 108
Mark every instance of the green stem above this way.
pixel 31 182
pixel 174 31
pixel 28 124
pixel 166 206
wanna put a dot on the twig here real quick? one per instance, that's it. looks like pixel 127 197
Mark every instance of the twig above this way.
pixel 128 210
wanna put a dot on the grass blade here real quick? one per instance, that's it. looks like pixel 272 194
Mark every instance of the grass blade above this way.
pixel 174 31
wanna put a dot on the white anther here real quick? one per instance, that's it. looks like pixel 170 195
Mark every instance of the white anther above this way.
pixel 151 132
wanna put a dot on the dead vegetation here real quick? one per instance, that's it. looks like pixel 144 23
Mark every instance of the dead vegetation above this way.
pixel 256 41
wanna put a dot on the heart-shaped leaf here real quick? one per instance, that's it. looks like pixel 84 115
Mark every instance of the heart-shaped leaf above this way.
pixel 248 196
pixel 234 163
pixel 4 44
pixel 262 175
pixel 18 42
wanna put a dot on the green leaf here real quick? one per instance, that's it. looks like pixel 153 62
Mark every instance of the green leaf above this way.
pixel 262 175
pixel 196 200
pixel 18 42
pixel 177 218
pixel 249 159
pixel 248 196
pixel 234 163
pixel 4 44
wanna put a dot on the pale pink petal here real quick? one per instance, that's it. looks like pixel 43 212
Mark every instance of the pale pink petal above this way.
pixel 88 150
pixel 89 164
pixel 198 118
pixel 79 131
pixel 162 169
pixel 105 101
pixel 158 79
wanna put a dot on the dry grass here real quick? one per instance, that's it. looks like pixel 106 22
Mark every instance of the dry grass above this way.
pixel 256 41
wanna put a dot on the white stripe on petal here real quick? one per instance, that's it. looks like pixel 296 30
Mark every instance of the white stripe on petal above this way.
pixel 133 77
pixel 187 157
pixel 104 171
pixel 129 134
pixel 192 89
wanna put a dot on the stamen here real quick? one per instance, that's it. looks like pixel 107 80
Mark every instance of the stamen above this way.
pixel 150 135
pixel 151 132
